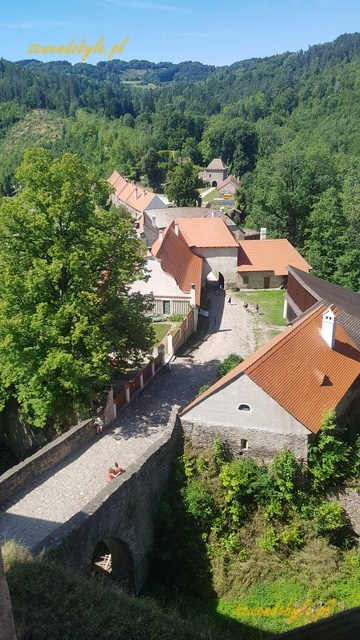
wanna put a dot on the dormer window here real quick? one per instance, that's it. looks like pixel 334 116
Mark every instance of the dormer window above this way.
pixel 244 407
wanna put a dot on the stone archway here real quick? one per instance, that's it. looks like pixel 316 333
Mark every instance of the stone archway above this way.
pixel 113 557
pixel 214 183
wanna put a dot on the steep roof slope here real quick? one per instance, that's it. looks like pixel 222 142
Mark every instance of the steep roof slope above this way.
pixel 206 232
pixel 216 165
pixel 327 292
pixel 269 255
pixel 300 371
pixel 179 261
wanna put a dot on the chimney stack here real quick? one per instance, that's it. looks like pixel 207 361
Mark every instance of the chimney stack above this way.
pixel 153 220
pixel 263 233
pixel 192 295
pixel 135 195
pixel 176 228
pixel 161 235
pixel 328 328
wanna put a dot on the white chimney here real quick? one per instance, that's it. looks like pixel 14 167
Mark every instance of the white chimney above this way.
pixel 213 214
pixel 192 295
pixel 263 233
pixel 161 235
pixel 328 328
pixel 144 192
pixel 153 220
pixel 176 228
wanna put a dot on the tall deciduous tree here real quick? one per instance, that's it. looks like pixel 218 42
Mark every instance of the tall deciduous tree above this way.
pixel 326 228
pixel 183 185
pixel 66 265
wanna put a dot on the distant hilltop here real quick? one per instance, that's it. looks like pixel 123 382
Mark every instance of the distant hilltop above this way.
pixel 146 73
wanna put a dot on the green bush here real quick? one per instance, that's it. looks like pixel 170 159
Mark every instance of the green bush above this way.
pixel 269 541
pixel 200 464
pixel 198 500
pixel 292 536
pixel 176 317
pixel 228 364
pixel 330 518
pixel 329 455
pixel 219 452
pixel 203 388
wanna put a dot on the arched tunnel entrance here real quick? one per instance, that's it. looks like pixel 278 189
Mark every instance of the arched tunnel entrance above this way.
pixel 215 280
pixel 113 558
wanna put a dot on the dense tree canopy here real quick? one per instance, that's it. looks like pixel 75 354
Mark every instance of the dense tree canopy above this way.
pixel 286 124
pixel 66 265
pixel 183 187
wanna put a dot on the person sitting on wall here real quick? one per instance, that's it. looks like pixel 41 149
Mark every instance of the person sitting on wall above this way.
pixel 118 469
pixel 110 475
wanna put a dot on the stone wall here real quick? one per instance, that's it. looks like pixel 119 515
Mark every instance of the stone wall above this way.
pixel 121 514
pixel 25 472
pixel 222 260
pixel 350 501
pixel 262 445
pixel 256 279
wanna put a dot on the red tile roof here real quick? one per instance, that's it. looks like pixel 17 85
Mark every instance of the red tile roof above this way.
pixel 179 261
pixel 130 193
pixel 229 180
pixel 206 232
pixel 114 176
pixel 269 255
pixel 300 371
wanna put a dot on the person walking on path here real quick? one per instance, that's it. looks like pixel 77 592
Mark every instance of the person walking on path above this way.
pixel 257 309
pixel 229 300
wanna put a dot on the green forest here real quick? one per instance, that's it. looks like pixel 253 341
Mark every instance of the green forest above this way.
pixel 286 124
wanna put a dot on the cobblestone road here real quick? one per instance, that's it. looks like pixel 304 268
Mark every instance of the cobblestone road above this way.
pixel 62 491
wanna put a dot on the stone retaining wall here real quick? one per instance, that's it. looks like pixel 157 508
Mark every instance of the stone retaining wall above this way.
pixel 350 501
pixel 25 472
pixel 121 514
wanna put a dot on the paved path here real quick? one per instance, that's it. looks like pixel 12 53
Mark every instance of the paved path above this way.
pixel 63 490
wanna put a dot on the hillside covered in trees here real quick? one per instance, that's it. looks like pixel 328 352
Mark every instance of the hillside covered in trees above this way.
pixel 286 124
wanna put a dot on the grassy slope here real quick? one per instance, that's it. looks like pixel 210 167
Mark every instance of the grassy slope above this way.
pixel 37 128
pixel 160 330
pixel 67 606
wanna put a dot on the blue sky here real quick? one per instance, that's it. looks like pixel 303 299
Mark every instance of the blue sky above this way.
pixel 209 31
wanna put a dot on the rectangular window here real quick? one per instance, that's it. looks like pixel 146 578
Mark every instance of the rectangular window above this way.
pixel 266 282
pixel 166 307
pixel 244 444
pixel 246 280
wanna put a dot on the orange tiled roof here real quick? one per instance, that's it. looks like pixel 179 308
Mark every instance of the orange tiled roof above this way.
pixel 127 191
pixel 114 176
pixel 119 185
pixel 300 371
pixel 269 255
pixel 139 199
pixel 179 261
pixel 229 180
pixel 130 194
pixel 206 232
